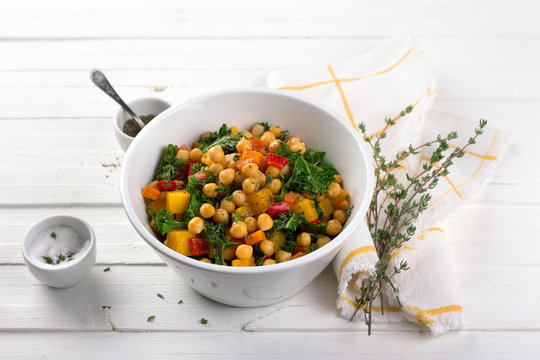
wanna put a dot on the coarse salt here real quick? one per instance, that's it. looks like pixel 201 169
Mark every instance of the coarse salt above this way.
pixel 58 243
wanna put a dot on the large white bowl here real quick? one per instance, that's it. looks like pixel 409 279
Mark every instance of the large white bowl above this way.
pixel 316 125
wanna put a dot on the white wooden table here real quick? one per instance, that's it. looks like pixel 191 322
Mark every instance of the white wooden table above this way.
pixel 58 155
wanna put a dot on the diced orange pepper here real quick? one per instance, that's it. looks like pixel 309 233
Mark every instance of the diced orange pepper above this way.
pixel 297 255
pixel 256 144
pixel 150 193
pixel 290 198
pixel 341 205
pixel 234 130
pixel 255 237
pixel 255 156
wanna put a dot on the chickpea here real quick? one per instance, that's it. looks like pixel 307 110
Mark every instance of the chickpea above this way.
pixel 251 224
pixel 244 251
pixel 283 256
pixel 257 130
pixel 303 239
pixel 196 225
pixel 274 146
pixel 206 260
pixel 216 168
pixel 196 155
pixel 250 170
pixel 183 155
pixel 229 161
pixel 221 215
pixel 293 140
pixel 250 185
pixel 226 177
pixel 267 247
pixel 275 186
pixel 299 147
pixel 239 177
pixel 286 170
pixel 210 190
pixel 272 171
pixel 216 154
pixel 269 262
pixel 276 130
pixel 333 227
pixel 267 138
pixel 262 179
pixel 322 241
pixel 239 198
pixel 337 178
pixel 227 205
pixel 238 229
pixel 242 145
pixel 334 190
pixel 340 215
pixel 247 134
pixel 207 210
pixel 265 222
pixel 229 253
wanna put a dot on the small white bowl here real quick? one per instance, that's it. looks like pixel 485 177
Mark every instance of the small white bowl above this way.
pixel 142 106
pixel 67 273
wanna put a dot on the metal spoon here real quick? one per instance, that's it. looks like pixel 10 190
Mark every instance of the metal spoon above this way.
pixel 99 79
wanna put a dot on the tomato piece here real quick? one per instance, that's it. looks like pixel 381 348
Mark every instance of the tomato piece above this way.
pixel 256 144
pixel 277 208
pixel 198 246
pixel 166 185
pixel 276 160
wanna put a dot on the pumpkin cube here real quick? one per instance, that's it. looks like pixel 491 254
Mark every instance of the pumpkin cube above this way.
pixel 260 201
pixel 177 201
pixel 307 207
pixel 343 195
pixel 178 240
pixel 244 262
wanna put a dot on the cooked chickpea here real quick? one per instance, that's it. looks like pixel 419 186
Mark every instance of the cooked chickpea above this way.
pixel 286 170
pixel 226 177
pixel 239 177
pixel 216 168
pixel 283 256
pixel 210 190
pixel 250 185
pixel 272 171
pixel 337 178
pixel 257 130
pixel 247 134
pixel 244 251
pixel 206 260
pixel 275 186
pixel 267 138
pixel 293 140
pixel 299 147
pixel 269 262
pixel 196 155
pixel 334 190
pixel 216 154
pixel 183 155
pixel 251 224
pixel 274 146
pixel 242 145
pixel 229 161
pixel 221 215
pixel 265 222
pixel 276 130
pixel 267 247
pixel 207 210
pixel 262 179
pixel 250 170
pixel 239 198
pixel 340 215
pixel 238 229
pixel 322 241
pixel 196 225
pixel 227 205
pixel 303 239
pixel 229 253
pixel 333 227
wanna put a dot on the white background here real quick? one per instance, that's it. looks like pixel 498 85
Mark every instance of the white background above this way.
pixel 58 155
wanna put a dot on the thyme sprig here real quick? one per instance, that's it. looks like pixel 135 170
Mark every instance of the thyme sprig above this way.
pixel 396 204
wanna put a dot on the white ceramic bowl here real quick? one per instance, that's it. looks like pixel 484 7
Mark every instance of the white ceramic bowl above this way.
pixel 316 125
pixel 67 273
pixel 142 106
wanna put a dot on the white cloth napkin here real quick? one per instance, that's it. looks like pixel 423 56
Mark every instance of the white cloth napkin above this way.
pixel 368 88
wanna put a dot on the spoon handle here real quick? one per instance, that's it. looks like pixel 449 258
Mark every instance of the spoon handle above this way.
pixel 99 79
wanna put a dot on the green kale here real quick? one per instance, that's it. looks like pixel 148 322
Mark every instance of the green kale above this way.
pixel 307 176
pixel 314 157
pixel 164 222
pixel 215 235
pixel 168 167
pixel 223 137
pixel 48 259
pixel 194 188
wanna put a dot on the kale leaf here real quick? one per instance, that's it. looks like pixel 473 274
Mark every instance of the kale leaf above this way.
pixel 215 235
pixel 312 177
pixel 194 188
pixel 223 137
pixel 164 222
pixel 168 167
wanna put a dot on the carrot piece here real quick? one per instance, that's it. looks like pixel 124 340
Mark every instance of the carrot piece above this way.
pixel 255 156
pixel 255 237
pixel 341 205
pixel 297 255
pixel 150 193
pixel 290 198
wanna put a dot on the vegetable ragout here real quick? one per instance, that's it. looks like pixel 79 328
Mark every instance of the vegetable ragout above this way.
pixel 251 198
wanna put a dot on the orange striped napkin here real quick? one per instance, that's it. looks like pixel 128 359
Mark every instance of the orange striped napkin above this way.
pixel 368 88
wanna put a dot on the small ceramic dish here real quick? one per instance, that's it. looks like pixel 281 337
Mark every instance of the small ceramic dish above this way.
pixel 69 271
pixel 142 106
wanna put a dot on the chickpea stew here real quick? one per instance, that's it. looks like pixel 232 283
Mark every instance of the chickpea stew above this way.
pixel 246 198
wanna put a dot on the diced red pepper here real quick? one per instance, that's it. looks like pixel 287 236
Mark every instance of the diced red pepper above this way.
pixel 190 171
pixel 198 246
pixel 200 175
pixel 238 241
pixel 166 185
pixel 276 160
pixel 275 209
pixel 256 144
pixel 313 231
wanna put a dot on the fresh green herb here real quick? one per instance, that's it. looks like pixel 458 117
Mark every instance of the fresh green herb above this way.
pixel 180 301
pixel 312 247
pixel 107 269
pixel 168 167
pixel 265 125
pixel 260 261
pixel 238 217
pixel 160 296
pixel 348 209
pixel 269 180
pixel 60 258
pixel 236 157
pixel 53 235
pixel 284 135
pixel 395 205
pixel 204 321
pixel 223 138
pixel 313 175
pixel 215 235
pixel 151 318
pixel 48 260
pixel 164 222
